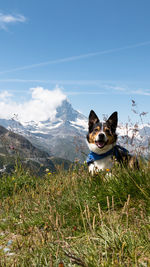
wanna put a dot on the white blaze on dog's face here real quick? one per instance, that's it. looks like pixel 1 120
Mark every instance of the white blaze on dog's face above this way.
pixel 102 136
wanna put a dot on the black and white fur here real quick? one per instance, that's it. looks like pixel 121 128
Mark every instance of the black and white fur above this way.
pixel 102 138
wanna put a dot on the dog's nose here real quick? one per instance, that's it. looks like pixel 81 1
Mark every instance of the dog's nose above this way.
pixel 101 137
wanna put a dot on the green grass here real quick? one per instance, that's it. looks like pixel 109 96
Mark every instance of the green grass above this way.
pixel 75 218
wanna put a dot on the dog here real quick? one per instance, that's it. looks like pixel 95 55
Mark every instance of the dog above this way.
pixel 101 139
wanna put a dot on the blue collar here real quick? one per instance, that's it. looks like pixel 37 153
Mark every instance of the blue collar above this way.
pixel 114 152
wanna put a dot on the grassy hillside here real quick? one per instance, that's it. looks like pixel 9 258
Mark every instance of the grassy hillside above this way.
pixel 76 219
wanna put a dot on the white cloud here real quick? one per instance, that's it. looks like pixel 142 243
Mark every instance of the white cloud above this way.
pixel 4 95
pixel 141 92
pixel 117 88
pixel 40 107
pixel 6 19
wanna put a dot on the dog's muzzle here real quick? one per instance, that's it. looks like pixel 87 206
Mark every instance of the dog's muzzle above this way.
pixel 101 140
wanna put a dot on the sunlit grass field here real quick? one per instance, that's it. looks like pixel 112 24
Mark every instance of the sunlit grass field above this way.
pixel 76 219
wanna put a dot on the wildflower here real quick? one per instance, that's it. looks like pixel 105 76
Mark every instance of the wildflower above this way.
pixel 13 178
pixel 9 242
pixel 47 170
pixel 107 170
pixel 6 250
pixel 61 264
pixel 49 173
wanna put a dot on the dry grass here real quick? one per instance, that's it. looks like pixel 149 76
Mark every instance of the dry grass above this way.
pixel 76 219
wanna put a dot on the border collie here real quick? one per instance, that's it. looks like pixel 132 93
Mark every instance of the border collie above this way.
pixel 101 140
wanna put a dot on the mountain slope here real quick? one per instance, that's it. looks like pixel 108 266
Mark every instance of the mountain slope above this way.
pixel 14 147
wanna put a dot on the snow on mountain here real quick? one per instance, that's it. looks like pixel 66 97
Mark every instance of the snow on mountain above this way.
pixel 80 124
pixel 65 113
pixel 65 135
pixel 136 138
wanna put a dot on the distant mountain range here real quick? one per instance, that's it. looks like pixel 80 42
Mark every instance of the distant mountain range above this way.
pixel 65 136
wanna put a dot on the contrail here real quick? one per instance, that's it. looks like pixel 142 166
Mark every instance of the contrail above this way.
pixel 74 58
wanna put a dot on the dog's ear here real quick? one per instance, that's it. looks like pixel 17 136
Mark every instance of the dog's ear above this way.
pixel 113 121
pixel 92 119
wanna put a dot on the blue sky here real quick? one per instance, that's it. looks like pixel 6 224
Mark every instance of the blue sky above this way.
pixel 97 52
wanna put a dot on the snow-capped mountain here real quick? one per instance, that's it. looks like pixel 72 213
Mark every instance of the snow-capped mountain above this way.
pixel 65 135
pixel 65 114
pixel 136 138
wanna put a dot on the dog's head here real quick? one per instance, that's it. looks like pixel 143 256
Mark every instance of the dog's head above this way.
pixel 102 135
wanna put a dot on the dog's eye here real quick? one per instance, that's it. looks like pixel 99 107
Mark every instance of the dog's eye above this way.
pixel 108 131
pixel 96 130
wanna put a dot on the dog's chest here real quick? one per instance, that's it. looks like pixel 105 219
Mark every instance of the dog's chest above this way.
pixel 101 164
